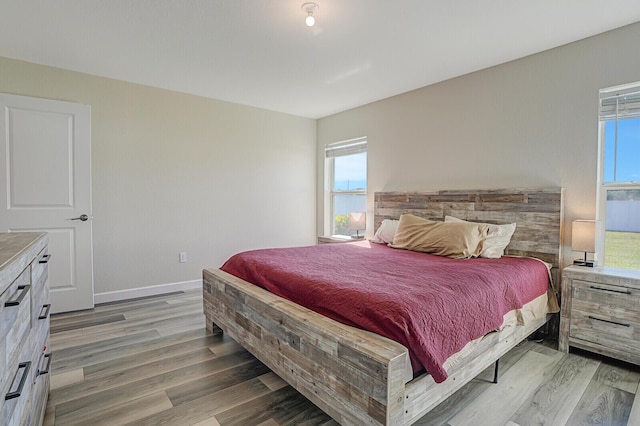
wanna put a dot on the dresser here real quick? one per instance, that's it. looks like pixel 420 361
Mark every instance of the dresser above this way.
pixel 25 357
pixel 601 311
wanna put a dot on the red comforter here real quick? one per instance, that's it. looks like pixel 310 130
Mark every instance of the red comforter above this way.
pixel 432 305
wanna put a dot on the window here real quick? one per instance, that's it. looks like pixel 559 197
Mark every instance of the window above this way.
pixel 346 167
pixel 619 180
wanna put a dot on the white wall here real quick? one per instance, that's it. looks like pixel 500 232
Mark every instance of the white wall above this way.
pixel 175 172
pixel 527 123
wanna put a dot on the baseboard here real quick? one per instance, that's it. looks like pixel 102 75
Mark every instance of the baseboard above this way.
pixel 114 296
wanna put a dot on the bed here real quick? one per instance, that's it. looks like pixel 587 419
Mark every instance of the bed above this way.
pixel 358 377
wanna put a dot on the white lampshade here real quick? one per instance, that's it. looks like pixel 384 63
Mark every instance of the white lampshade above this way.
pixel 583 236
pixel 357 220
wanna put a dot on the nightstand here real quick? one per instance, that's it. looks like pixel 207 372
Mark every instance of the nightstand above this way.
pixel 337 239
pixel 601 311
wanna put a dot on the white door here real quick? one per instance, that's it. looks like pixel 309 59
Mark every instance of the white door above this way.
pixel 45 186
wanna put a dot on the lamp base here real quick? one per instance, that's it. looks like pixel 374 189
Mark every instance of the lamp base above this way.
pixel 582 262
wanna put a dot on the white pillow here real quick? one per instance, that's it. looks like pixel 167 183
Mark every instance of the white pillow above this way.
pixel 497 240
pixel 384 234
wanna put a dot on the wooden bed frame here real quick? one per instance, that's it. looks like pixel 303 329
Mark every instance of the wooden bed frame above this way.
pixel 358 377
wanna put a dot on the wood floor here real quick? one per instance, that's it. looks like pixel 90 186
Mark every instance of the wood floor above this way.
pixel 150 362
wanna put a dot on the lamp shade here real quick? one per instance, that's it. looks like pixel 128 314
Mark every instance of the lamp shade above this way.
pixel 583 236
pixel 357 220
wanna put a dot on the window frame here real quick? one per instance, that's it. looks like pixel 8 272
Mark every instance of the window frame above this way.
pixel 343 149
pixel 603 187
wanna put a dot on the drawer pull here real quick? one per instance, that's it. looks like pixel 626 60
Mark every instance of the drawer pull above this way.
pixel 46 309
pixel 23 380
pixel 45 258
pixel 610 322
pixel 595 287
pixel 24 290
pixel 46 370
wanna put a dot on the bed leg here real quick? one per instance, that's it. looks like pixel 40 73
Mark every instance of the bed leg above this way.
pixel 495 371
pixel 215 329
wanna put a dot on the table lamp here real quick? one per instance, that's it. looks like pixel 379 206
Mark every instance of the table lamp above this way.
pixel 358 222
pixel 583 238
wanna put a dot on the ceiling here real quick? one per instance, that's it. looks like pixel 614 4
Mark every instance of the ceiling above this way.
pixel 260 53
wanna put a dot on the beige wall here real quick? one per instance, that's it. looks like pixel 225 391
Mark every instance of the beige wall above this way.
pixel 527 123
pixel 175 172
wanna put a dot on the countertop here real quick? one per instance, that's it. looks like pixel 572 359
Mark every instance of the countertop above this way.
pixel 17 250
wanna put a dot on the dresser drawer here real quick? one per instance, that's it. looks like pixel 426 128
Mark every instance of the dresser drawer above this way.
pixel 40 343
pixel 39 289
pixel 15 320
pixel 15 410
pixel 41 381
pixel 11 300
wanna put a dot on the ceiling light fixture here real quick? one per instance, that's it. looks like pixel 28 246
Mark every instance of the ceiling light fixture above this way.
pixel 310 8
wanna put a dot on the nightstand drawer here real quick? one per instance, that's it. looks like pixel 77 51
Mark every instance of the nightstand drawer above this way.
pixel 606 299
pixel 616 333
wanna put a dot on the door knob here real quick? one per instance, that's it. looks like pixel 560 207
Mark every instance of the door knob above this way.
pixel 82 217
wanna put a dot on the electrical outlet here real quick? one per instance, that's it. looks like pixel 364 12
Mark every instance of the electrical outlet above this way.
pixel 183 257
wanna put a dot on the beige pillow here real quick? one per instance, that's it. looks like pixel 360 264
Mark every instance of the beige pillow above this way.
pixel 497 240
pixel 455 240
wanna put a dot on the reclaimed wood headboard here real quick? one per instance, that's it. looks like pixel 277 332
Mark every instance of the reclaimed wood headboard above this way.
pixel 538 214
